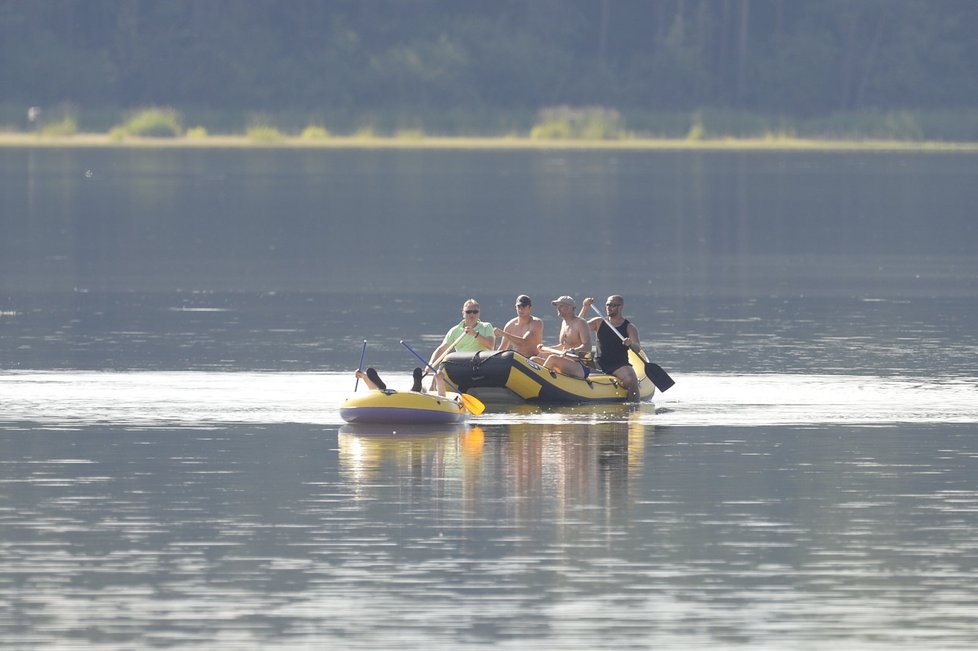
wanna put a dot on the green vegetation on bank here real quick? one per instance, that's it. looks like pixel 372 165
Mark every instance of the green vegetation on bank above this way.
pixel 157 122
pixel 562 125
pixel 414 141
pixel 797 58
pixel 541 74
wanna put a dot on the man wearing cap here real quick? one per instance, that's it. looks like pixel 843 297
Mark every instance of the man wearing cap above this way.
pixel 524 332
pixel 575 342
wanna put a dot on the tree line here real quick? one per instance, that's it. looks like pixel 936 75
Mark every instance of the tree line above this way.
pixel 786 57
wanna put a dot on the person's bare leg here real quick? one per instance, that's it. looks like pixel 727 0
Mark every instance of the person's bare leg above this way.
pixel 375 378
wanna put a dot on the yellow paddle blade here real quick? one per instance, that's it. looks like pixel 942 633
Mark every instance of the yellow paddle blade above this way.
pixel 473 404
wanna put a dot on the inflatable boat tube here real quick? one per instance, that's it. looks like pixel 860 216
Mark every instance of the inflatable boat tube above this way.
pixel 485 373
pixel 405 407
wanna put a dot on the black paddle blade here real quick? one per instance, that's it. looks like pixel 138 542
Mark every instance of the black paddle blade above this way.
pixel 659 377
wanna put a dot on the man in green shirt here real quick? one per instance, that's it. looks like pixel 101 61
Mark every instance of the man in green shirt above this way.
pixel 469 336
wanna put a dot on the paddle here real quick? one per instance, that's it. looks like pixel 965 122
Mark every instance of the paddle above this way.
pixel 654 372
pixel 363 352
pixel 441 358
pixel 473 404
pixel 448 350
pixel 558 352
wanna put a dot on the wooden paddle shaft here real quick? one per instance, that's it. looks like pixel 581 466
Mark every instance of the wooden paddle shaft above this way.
pixel 605 319
pixel 441 358
pixel 653 371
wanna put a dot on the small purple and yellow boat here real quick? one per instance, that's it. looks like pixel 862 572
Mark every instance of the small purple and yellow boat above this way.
pixel 403 407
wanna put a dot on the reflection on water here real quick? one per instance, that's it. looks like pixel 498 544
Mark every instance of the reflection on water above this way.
pixel 372 454
pixel 178 328
pixel 66 400
pixel 564 463
pixel 534 534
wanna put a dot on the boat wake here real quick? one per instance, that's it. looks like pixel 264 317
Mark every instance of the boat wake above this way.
pixel 74 399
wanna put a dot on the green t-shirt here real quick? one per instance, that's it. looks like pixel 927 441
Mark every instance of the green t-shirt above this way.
pixel 469 344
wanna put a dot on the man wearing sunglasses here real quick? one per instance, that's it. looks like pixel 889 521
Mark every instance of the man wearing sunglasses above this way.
pixel 468 336
pixel 613 351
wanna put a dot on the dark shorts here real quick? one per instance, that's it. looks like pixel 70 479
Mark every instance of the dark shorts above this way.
pixel 611 370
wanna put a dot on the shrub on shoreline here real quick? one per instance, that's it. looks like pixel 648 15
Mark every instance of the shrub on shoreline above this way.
pixel 314 132
pixel 571 123
pixel 67 126
pixel 559 124
pixel 154 122
pixel 264 133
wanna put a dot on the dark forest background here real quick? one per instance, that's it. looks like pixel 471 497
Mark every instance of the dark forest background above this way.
pixel 492 65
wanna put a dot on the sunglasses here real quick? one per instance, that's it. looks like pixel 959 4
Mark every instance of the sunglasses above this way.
pixel 612 304
pixel 471 311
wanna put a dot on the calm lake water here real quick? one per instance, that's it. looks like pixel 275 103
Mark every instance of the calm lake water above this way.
pixel 177 329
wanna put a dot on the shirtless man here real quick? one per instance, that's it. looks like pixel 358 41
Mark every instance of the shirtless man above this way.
pixel 614 351
pixel 524 332
pixel 575 341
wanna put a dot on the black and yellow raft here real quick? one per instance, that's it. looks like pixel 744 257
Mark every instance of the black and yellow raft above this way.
pixel 507 376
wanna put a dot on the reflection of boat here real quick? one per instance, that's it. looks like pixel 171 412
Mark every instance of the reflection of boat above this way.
pixel 578 412
pixel 505 376
pixel 403 430
pixel 402 407
pixel 368 451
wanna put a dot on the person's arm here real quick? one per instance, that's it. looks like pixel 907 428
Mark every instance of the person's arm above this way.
pixel 583 331
pixel 435 356
pixel 448 342
pixel 534 336
pixel 587 339
pixel 550 350
pixel 505 339
pixel 580 328
pixel 585 306
pixel 366 380
pixel 479 332
pixel 631 341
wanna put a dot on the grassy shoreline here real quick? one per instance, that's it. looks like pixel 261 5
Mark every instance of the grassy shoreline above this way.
pixel 95 140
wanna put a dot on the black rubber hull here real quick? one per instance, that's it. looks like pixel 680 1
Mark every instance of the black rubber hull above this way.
pixel 530 382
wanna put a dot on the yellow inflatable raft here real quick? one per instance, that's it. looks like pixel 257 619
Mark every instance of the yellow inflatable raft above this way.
pixel 406 407
pixel 507 376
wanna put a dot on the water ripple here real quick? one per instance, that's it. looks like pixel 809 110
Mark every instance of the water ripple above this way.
pixel 208 399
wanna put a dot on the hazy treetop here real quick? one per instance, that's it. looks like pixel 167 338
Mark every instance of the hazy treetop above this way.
pixel 774 56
